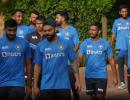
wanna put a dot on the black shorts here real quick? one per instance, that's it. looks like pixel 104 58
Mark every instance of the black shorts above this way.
pixel 59 94
pixel 96 85
pixel 12 93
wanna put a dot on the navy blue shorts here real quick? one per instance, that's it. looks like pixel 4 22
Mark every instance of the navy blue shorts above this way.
pixel 96 86
pixel 12 93
pixel 59 94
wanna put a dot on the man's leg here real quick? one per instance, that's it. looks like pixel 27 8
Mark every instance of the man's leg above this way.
pixel 3 93
pixel 63 94
pixel 16 93
pixel 101 85
pixel 91 88
pixel 121 63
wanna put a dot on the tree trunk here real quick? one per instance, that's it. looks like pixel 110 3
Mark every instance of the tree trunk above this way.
pixel 104 26
pixel 1 23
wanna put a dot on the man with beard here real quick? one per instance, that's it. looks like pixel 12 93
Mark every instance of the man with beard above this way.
pixel 15 55
pixel 51 61
pixel 123 52
pixel 96 51
pixel 121 28
pixel 32 19
pixel 35 37
pixel 70 33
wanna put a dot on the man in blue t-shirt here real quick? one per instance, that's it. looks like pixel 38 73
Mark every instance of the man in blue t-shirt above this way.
pixel 121 28
pixel 15 55
pixel 96 51
pixel 32 20
pixel 22 30
pixel 51 59
pixel 123 52
pixel 70 33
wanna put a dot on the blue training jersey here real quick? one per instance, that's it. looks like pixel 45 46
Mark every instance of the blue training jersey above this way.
pixel 31 29
pixel 121 28
pixel 96 54
pixel 54 61
pixel 70 33
pixel 12 61
pixel 22 31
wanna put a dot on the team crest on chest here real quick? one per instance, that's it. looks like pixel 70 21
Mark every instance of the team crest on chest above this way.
pixel 61 47
pixel 127 24
pixel 100 46
pixel 17 47
pixel 67 34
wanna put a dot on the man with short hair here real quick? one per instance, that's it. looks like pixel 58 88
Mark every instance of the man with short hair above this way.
pixel 121 28
pixel 96 51
pixel 32 19
pixel 22 30
pixel 51 61
pixel 15 55
pixel 70 33
pixel 35 37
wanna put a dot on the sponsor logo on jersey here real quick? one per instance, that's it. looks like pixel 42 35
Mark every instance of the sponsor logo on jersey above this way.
pixel 94 52
pixel 123 28
pixel 127 24
pixel 34 37
pixel 55 55
pixel 11 54
pixel 119 24
pixel 48 49
pixel 100 90
pixel 5 47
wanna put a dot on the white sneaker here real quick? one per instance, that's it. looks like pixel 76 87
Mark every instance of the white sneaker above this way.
pixel 122 85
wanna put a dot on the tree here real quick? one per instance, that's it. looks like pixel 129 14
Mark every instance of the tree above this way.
pixel 82 12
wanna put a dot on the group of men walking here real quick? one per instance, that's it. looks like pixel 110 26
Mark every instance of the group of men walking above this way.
pixel 41 61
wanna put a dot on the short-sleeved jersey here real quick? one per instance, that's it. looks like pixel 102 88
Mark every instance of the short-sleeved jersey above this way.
pixel 96 54
pixel 12 61
pixel 54 61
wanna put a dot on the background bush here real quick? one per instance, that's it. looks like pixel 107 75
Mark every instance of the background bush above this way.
pixel 81 12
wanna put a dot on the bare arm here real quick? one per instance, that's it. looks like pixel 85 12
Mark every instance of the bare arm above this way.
pixel 37 72
pixel 76 48
pixel 75 68
pixel 113 39
pixel 29 72
pixel 113 67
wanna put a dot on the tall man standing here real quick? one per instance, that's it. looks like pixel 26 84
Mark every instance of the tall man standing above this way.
pixel 51 61
pixel 15 55
pixel 96 51
pixel 70 33
pixel 121 28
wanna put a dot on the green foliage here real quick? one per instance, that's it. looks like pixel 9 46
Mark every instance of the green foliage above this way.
pixel 82 12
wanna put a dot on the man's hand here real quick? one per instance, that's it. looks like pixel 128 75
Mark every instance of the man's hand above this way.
pixel 115 81
pixel 36 91
pixel 77 86
pixel 28 92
